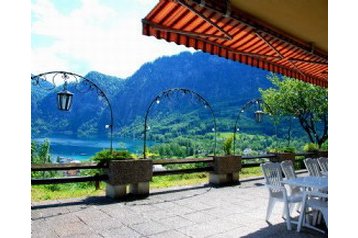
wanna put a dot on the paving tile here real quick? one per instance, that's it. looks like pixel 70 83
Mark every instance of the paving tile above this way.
pixel 194 205
pixel 104 224
pixel 91 215
pixel 234 233
pixel 42 229
pixel 176 222
pixel 219 211
pixel 198 231
pixel 201 230
pixel 165 205
pixel 83 235
pixel 169 234
pixel 132 219
pixel 61 220
pixel 72 228
pixel 157 214
pixel 121 232
pixel 179 210
pixel 198 217
pixel 149 228
pixel 233 211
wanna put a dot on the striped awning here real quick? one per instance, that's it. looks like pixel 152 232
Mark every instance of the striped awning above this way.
pixel 214 27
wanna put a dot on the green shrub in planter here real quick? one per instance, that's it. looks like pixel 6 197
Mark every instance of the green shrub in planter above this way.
pixel 106 155
pixel 228 145
pixel 286 149
pixel 324 146
pixel 310 147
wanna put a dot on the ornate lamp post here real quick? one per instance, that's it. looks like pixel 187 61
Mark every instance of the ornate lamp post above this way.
pixel 65 97
pixel 259 113
pixel 167 94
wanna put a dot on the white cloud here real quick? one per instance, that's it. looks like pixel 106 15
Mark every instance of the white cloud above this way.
pixel 103 38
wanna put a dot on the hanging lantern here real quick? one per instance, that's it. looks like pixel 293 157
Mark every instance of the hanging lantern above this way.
pixel 64 100
pixel 259 115
pixel 64 97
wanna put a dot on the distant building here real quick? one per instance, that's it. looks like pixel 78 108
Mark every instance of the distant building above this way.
pixel 247 151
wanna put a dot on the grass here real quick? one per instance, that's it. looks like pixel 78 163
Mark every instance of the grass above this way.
pixel 63 191
pixel 250 172
pixel 179 180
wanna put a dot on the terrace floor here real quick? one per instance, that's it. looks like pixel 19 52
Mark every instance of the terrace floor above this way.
pixel 200 211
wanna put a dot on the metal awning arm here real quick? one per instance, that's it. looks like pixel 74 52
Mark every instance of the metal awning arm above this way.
pixel 199 14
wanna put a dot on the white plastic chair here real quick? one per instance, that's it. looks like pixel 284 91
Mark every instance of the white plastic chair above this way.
pixel 323 163
pixel 277 192
pixel 317 202
pixel 288 169
pixel 313 167
pixel 289 172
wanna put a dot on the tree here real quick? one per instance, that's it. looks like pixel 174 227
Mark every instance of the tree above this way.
pixel 40 153
pixel 307 102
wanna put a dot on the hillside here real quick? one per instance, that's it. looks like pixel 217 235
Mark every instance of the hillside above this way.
pixel 227 85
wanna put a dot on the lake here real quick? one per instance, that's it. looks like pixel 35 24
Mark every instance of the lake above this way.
pixel 83 149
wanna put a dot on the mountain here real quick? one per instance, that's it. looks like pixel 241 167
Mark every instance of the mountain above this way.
pixel 225 84
pixel 216 79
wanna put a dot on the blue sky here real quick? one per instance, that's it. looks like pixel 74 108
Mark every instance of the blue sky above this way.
pixel 102 35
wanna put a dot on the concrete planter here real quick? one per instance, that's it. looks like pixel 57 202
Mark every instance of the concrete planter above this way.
pixel 322 154
pixel 226 170
pixel 134 173
pixel 282 156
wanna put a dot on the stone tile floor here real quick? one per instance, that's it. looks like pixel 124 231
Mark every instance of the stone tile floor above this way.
pixel 199 211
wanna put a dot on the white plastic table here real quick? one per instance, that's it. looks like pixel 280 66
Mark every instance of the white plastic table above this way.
pixel 309 182
pixel 315 183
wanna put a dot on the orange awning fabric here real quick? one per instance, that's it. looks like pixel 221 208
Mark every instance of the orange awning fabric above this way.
pixel 214 27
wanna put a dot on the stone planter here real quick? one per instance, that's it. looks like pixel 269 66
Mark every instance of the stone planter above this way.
pixel 226 170
pixel 322 154
pixel 134 173
pixel 281 156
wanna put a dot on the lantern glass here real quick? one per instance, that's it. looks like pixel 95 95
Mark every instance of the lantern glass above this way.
pixel 259 115
pixel 64 100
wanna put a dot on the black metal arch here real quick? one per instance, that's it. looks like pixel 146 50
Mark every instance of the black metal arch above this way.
pixel 67 76
pixel 257 101
pixel 167 94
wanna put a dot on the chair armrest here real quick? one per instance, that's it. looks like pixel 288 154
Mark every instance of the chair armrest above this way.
pixel 316 194
pixel 276 187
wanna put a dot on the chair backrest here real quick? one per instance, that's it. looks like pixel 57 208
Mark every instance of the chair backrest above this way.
pixel 312 167
pixel 272 173
pixel 288 170
pixel 323 163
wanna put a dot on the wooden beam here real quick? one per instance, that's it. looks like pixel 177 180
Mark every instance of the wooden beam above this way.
pixel 67 166
pixel 183 171
pixel 183 161
pixel 76 179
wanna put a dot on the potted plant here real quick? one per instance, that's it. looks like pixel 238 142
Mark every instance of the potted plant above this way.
pixel 283 153
pixel 226 167
pixel 124 169
pixel 314 148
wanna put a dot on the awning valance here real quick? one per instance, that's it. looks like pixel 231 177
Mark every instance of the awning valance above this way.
pixel 214 27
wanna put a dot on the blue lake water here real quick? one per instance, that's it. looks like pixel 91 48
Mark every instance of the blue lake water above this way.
pixel 83 149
